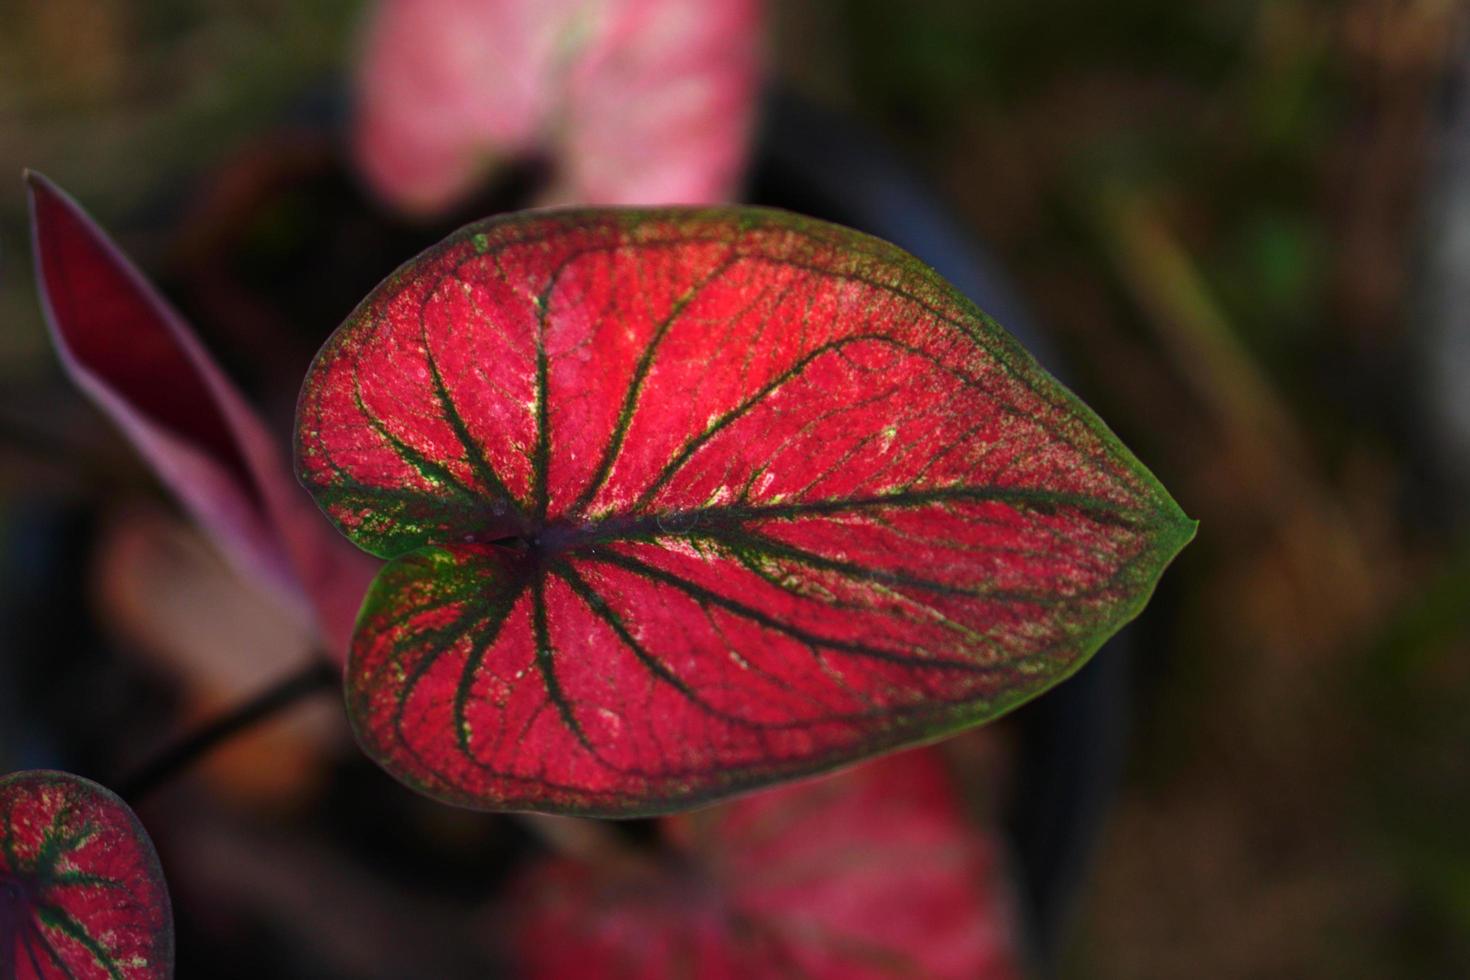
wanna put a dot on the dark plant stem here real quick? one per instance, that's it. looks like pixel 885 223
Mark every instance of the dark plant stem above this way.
pixel 318 675
pixel 590 841
pixel 586 840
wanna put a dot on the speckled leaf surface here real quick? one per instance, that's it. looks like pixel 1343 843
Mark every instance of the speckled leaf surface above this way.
pixel 684 502
pixel 81 892
pixel 874 873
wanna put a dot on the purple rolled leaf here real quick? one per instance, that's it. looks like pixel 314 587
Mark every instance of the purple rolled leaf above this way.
pixel 138 360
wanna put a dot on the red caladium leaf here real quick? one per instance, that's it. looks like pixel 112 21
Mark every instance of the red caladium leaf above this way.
pixel 873 873
pixel 633 101
pixel 683 502
pixel 81 892
pixel 136 358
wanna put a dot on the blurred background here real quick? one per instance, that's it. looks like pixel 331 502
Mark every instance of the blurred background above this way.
pixel 1243 228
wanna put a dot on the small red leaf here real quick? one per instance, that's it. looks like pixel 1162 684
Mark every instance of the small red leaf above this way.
pixel 873 873
pixel 136 358
pixel 633 101
pixel 81 892
pixel 705 499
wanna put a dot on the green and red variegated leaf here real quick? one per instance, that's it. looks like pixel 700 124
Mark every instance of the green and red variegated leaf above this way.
pixel 81 892
pixel 872 873
pixel 684 502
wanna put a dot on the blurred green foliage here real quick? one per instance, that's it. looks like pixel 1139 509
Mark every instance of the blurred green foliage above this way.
pixel 1217 206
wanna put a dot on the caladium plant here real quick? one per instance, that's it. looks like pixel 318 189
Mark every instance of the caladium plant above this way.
pixel 876 872
pixel 81 892
pixel 684 502
pixel 678 502
pixel 630 101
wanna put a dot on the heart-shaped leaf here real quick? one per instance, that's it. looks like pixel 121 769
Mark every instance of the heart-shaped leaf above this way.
pixel 138 360
pixel 631 101
pixel 873 873
pixel 683 502
pixel 81 892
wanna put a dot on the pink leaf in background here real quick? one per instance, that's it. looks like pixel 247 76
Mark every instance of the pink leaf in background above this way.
pixel 136 358
pixel 447 87
pixel 875 872
pixel 660 110
pixel 635 101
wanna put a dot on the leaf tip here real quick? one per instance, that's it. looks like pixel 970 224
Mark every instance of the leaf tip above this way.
pixel 41 189
pixel 1177 529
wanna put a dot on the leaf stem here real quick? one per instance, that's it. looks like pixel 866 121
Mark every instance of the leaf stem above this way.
pixel 317 675
pixel 569 836
pixel 585 840
pixel 590 841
